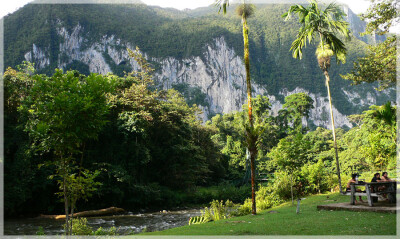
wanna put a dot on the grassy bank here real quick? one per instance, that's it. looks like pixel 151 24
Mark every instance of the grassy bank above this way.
pixel 283 220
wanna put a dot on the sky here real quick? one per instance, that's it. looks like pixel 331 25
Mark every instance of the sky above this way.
pixel 9 6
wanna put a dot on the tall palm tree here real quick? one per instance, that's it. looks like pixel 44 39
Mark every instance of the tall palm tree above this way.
pixel 245 10
pixel 326 25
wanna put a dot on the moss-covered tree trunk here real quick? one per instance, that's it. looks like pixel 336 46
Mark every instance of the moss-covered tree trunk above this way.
pixel 251 142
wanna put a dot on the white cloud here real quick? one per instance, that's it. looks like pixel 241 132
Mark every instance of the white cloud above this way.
pixel 8 6
pixel 180 4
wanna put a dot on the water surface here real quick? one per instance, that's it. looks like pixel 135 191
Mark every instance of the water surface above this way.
pixel 126 224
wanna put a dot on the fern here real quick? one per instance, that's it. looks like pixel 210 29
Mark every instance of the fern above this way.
pixel 198 220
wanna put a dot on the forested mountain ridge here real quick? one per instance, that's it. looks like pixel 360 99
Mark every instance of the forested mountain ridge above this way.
pixel 197 52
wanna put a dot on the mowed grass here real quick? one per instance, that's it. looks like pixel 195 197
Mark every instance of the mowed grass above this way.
pixel 283 220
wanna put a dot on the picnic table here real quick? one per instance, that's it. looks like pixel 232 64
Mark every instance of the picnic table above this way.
pixel 374 189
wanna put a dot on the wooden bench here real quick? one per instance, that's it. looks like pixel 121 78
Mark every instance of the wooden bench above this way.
pixel 390 190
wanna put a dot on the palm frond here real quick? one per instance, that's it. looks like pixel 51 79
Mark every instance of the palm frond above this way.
pixel 300 43
pixel 334 16
pixel 294 9
pixel 334 10
pixel 386 113
pixel 222 4
pixel 325 23
pixel 314 7
pixel 342 27
pixel 341 57
pixel 310 35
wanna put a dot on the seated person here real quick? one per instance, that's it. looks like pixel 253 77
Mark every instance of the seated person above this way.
pixel 353 180
pixel 385 177
pixel 376 179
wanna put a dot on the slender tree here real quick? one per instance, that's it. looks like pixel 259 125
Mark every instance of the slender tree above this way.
pixel 63 112
pixel 326 25
pixel 245 11
pixel 298 106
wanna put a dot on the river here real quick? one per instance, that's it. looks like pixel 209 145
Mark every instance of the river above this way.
pixel 126 224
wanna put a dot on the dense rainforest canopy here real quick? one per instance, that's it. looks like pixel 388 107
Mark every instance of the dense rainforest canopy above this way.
pixel 152 151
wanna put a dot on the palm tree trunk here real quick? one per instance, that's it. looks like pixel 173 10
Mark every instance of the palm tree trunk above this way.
pixel 252 148
pixel 333 130
pixel 247 66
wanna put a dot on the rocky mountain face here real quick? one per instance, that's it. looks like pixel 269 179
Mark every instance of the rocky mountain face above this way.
pixel 219 73
pixel 357 26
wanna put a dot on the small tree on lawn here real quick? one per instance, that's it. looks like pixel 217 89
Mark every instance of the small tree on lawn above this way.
pixel 290 155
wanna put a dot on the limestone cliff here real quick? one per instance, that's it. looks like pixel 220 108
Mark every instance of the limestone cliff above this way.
pixel 219 73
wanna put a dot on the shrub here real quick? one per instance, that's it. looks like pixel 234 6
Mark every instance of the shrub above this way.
pixel 266 197
pixel 40 232
pixel 281 185
pixel 332 182
pixel 80 227
pixel 314 176
pixel 217 211
pixel 106 232
pixel 243 209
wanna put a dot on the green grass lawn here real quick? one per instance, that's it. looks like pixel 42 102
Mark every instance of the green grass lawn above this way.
pixel 285 221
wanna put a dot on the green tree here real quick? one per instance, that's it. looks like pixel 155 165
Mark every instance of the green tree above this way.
pixel 297 107
pixel 380 148
pixel 245 11
pixel 371 144
pixel 17 84
pixel 171 144
pixel 386 113
pixel 379 65
pixel 290 155
pixel 64 111
pixel 381 15
pixel 267 130
pixel 17 160
pixel 230 136
pixel 326 24
pixel 316 175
